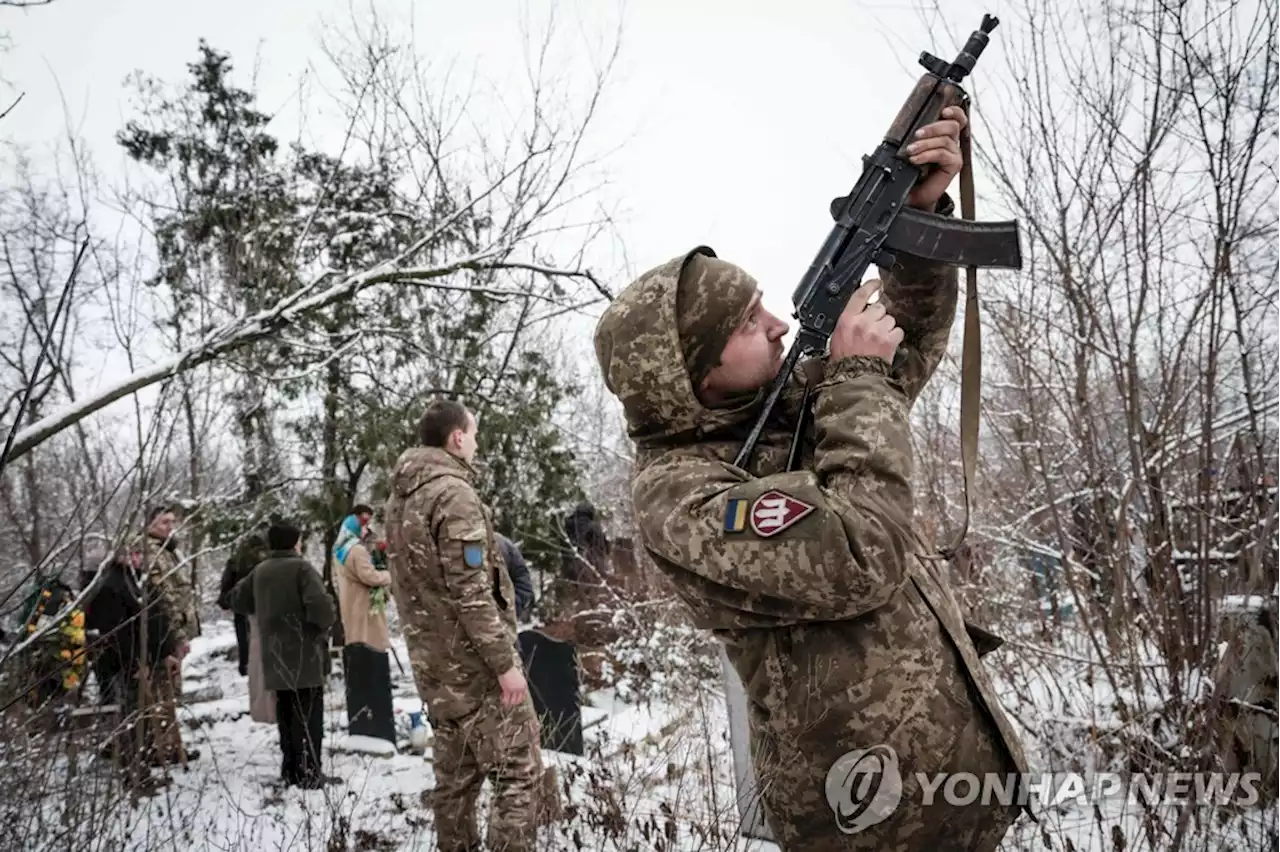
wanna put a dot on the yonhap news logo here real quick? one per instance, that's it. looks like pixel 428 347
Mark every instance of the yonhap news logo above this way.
pixel 865 786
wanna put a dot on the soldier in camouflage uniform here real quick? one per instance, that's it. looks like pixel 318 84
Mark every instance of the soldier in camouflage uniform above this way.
pixel 159 558
pixel 169 588
pixel 843 630
pixel 458 608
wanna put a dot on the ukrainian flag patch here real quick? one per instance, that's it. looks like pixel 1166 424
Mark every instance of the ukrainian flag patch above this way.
pixel 735 515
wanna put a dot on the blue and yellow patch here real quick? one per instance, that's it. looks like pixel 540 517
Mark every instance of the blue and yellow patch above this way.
pixel 735 515
pixel 473 554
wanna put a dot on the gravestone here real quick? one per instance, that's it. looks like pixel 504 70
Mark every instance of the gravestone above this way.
pixel 551 667
pixel 751 818
pixel 1245 675
pixel 368 676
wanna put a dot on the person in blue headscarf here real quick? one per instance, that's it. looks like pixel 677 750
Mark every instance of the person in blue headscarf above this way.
pixel 351 531
pixel 361 589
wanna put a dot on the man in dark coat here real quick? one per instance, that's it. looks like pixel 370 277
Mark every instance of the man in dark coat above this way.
pixel 294 614
pixel 584 591
pixel 584 561
pixel 247 554
pixel 115 612
pixel 518 570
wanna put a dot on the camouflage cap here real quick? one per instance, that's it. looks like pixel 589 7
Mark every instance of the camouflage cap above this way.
pixel 712 299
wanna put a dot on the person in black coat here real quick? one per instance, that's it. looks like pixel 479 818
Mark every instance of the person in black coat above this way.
pixel 294 614
pixel 585 561
pixel 115 612
pixel 518 569
pixel 248 554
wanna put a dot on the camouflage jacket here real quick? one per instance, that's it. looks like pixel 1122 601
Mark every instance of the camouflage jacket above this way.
pixel 452 591
pixel 842 629
pixel 168 588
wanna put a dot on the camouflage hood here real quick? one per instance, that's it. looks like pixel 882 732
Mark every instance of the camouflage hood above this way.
pixel 419 465
pixel 642 359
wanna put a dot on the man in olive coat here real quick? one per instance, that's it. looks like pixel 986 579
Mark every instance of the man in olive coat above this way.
pixel 294 614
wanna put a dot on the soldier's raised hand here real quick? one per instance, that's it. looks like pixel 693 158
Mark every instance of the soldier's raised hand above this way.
pixel 937 145
pixel 865 328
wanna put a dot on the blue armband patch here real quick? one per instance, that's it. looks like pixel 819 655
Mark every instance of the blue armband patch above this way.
pixel 473 554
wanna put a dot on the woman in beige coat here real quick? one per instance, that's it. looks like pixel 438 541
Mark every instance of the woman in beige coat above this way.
pixel 364 623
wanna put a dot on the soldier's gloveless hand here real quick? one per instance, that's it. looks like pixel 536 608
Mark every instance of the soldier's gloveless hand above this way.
pixel 937 145
pixel 514 687
pixel 865 328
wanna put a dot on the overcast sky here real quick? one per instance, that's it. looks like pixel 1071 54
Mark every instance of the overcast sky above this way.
pixel 741 120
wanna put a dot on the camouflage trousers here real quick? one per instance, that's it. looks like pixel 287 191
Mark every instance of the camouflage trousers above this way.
pixel 150 735
pixel 498 743
pixel 805 821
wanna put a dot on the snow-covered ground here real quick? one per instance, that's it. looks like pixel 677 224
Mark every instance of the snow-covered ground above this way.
pixel 656 776
pixel 230 797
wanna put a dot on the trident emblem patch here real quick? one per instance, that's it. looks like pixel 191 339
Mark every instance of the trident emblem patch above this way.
pixel 774 512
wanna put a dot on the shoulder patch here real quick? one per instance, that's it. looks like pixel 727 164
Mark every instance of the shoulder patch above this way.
pixel 735 515
pixel 773 511
pixel 473 554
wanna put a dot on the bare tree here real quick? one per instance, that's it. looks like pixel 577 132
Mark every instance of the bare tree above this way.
pixel 510 166
pixel 1129 432
pixel 45 285
pixel 509 201
pixel 470 266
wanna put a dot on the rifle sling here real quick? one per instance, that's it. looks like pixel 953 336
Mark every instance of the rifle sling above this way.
pixel 971 358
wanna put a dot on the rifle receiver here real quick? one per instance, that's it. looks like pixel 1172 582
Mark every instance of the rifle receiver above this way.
pixel 873 221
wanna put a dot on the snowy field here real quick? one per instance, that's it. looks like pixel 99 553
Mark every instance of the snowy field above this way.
pixel 230 798
pixel 643 785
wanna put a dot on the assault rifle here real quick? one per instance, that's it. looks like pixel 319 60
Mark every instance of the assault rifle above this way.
pixel 872 223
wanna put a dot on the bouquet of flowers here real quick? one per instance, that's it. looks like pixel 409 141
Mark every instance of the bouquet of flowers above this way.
pixel 378 597
pixel 62 649
pixel 72 635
